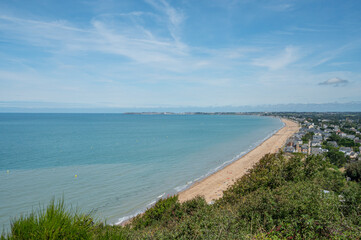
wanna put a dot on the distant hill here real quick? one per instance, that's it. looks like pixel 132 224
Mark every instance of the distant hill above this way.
pixel 26 107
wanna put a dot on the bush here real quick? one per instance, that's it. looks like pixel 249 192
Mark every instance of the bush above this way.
pixel 299 210
pixel 161 210
pixel 337 158
pixel 353 171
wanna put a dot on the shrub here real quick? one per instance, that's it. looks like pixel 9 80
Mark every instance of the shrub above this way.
pixel 160 211
pixel 353 171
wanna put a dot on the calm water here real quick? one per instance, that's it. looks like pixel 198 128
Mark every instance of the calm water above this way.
pixel 123 163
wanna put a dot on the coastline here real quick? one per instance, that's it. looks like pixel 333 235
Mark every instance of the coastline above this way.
pixel 212 187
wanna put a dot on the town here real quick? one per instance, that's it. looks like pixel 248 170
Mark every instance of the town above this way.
pixel 337 136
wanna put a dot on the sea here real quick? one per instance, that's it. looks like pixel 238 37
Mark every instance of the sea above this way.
pixel 115 166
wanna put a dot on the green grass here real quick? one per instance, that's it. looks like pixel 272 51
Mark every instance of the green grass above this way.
pixel 280 198
pixel 54 222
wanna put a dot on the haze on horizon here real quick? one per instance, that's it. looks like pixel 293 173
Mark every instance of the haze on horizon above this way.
pixel 156 53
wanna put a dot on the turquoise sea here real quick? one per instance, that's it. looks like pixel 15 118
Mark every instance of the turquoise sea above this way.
pixel 115 165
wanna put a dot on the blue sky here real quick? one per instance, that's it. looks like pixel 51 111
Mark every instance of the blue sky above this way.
pixel 162 53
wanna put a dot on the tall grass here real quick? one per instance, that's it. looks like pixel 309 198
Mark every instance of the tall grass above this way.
pixel 52 222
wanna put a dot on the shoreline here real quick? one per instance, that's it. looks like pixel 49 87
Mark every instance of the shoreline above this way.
pixel 212 187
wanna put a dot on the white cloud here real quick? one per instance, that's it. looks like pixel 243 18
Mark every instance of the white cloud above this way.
pixel 336 82
pixel 289 55
pixel 175 17
pixel 133 41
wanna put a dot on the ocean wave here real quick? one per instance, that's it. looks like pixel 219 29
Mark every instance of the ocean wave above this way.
pixel 126 218
pixel 139 211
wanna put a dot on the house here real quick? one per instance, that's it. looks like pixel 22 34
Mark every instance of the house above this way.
pixel 346 150
pixel 311 130
pixel 290 149
pixel 352 137
pixel 342 134
pixel 326 135
pixel 317 151
pixel 304 148
pixel 316 143
pixel 290 142
pixel 317 138
pixel 353 155
pixel 297 140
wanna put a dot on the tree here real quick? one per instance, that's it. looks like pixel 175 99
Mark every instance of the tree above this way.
pixel 353 171
pixel 336 157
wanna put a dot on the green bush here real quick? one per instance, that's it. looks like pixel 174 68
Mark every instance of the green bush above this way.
pixel 161 210
pixel 353 171
pixel 337 158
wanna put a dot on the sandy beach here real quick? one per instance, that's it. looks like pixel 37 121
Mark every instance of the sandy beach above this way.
pixel 213 186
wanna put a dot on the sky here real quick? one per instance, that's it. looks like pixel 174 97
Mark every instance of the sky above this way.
pixel 167 53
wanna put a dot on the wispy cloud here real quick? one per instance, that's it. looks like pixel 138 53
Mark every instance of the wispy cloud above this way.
pixel 289 55
pixel 132 40
pixel 336 82
pixel 280 7
pixel 175 17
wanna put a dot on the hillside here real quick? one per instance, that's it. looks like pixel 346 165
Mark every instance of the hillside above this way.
pixel 282 197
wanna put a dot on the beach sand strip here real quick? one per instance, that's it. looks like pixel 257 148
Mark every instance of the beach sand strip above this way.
pixel 212 187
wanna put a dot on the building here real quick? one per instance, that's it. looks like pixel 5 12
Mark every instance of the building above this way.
pixel 316 143
pixel 326 135
pixel 317 137
pixel 304 148
pixel 352 137
pixel 290 149
pixel 346 150
pixel 317 151
pixel 342 134
pixel 353 155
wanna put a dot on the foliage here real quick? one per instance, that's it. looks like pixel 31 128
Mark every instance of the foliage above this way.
pixel 280 198
pixel 54 222
pixel 336 157
pixel 353 171
pixel 164 208
pixel 307 137
pixel 345 142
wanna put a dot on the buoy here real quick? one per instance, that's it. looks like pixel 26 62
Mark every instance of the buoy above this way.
pixel 76 176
